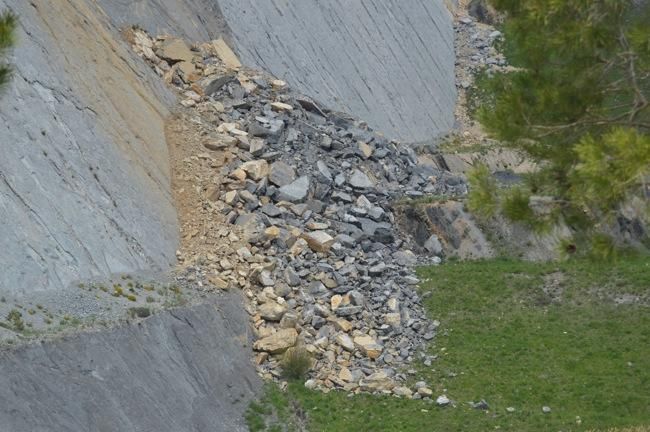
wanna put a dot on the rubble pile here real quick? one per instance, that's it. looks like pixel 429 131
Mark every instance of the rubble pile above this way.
pixel 296 210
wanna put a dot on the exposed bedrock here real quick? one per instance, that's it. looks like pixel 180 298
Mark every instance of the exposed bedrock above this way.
pixel 389 62
pixel 84 176
pixel 179 371
pixel 197 20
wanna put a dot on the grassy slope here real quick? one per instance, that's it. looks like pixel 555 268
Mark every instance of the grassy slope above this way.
pixel 505 340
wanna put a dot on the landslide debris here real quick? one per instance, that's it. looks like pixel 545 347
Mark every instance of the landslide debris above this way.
pixel 291 203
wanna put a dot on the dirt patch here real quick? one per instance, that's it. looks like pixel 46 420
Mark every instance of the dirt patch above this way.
pixel 553 286
pixel 208 240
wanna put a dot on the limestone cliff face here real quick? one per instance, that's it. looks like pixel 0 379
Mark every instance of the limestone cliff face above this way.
pixel 388 62
pixel 84 177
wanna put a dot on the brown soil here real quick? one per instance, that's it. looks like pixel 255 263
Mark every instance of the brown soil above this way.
pixel 206 237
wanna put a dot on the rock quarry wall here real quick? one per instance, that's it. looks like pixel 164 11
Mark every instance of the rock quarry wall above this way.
pixel 179 371
pixel 389 62
pixel 84 177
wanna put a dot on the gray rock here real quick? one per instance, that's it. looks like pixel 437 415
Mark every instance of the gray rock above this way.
pixel 266 279
pixel 346 240
pixel 342 196
pixel 271 210
pixel 405 258
pixel 324 173
pixel 296 191
pixel 282 174
pixel 291 277
pixel 326 142
pixel 433 245
pixel 376 213
pixel 218 83
pixel 347 311
pixel 359 180
pixel 377 270
pixel 481 405
pixel 356 298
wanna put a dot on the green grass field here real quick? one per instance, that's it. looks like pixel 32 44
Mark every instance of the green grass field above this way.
pixel 573 336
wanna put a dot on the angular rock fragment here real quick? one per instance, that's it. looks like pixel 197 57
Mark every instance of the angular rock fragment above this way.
pixel 319 241
pixel 227 56
pixel 272 311
pixel 282 174
pixel 278 342
pixel 359 180
pixel 295 192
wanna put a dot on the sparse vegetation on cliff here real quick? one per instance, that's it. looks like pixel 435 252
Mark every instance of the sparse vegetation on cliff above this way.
pixel 8 23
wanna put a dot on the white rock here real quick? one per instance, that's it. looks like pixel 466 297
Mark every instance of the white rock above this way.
pixel 278 84
pixel 256 169
pixel 227 56
pixel 280 106
pixel 272 311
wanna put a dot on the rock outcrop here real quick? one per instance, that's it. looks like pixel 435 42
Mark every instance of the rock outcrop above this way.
pixel 389 62
pixel 179 371
pixel 84 177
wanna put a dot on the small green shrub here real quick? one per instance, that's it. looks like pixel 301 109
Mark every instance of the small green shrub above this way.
pixel 139 312
pixel 16 320
pixel 296 362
